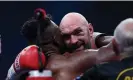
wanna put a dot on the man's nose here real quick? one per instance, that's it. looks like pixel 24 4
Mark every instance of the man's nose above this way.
pixel 74 39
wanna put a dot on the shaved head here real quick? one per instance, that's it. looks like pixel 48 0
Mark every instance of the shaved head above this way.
pixel 124 35
pixel 72 19
pixel 76 30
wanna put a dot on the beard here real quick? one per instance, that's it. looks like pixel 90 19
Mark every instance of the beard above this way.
pixel 76 47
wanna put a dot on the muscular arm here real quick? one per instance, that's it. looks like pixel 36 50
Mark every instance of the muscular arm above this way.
pixel 80 61
pixel 103 40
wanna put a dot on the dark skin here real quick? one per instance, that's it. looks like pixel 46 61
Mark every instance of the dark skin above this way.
pixel 69 67
pixel 104 40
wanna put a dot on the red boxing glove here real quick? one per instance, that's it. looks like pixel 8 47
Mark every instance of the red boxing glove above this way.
pixel 28 59
pixel 36 75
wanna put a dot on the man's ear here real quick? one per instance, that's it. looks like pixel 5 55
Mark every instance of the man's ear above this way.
pixel 90 27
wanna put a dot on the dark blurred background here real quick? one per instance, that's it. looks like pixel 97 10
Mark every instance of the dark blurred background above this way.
pixel 104 16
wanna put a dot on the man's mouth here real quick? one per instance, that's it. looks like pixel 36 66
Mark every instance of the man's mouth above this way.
pixel 80 48
pixel 77 47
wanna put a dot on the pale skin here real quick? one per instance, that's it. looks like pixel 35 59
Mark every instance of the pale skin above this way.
pixel 76 29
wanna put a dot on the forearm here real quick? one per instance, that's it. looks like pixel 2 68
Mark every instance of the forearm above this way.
pixel 82 60
pixel 78 61
pixel 85 59
pixel 103 40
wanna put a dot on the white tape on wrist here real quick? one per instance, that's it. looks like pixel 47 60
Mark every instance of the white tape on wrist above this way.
pixel 36 73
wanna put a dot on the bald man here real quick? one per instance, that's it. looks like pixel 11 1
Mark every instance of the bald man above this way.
pixel 117 70
pixel 78 34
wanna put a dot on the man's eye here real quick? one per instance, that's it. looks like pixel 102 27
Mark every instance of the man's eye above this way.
pixel 66 36
pixel 78 33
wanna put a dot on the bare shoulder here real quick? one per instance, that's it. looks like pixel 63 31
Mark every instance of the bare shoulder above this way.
pixel 56 62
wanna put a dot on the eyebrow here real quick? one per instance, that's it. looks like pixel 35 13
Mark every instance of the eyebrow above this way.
pixel 77 29
pixel 65 34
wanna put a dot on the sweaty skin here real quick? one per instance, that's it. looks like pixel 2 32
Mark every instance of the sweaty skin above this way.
pixel 68 68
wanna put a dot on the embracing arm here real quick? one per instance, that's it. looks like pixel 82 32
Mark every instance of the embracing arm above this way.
pixel 80 61
pixel 101 39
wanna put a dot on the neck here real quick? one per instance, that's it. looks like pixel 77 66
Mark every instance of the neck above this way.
pixel 93 45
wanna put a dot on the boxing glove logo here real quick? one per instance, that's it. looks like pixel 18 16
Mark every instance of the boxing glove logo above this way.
pixel 16 63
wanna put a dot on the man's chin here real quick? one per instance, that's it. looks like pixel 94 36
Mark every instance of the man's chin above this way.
pixel 79 49
pixel 71 50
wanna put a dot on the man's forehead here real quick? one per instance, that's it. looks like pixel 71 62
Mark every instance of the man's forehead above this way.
pixel 69 29
pixel 70 25
pixel 70 22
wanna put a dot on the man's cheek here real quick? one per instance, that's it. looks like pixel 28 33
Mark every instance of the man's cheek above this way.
pixel 82 40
